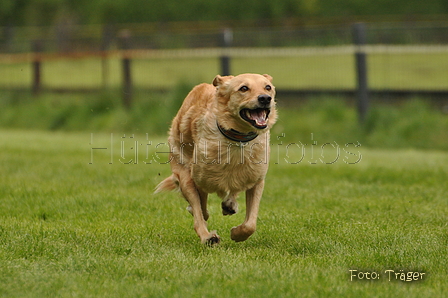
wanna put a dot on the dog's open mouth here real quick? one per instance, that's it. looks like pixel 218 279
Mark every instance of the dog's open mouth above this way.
pixel 258 118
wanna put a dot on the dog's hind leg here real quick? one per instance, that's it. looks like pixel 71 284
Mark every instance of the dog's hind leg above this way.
pixel 197 199
pixel 229 205
pixel 248 227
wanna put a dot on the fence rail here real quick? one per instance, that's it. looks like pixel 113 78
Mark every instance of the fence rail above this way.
pixel 233 52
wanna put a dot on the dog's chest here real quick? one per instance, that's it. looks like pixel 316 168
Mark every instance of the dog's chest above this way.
pixel 222 166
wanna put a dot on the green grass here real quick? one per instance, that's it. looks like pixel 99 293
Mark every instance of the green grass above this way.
pixel 69 228
pixel 386 71
pixel 408 71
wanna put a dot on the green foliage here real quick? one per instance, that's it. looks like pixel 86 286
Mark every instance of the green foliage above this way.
pixel 414 123
pixel 69 228
pixel 151 112
pixel 47 12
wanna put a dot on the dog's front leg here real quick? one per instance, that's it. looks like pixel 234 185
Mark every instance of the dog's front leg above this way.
pixel 193 196
pixel 203 196
pixel 248 227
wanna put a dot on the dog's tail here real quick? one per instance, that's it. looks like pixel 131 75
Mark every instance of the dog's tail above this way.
pixel 170 183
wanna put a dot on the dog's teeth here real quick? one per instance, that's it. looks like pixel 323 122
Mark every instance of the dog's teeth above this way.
pixel 248 114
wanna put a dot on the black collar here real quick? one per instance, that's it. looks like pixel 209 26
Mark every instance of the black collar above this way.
pixel 237 136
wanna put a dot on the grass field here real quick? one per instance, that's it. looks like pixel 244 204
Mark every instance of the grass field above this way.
pixel 336 71
pixel 74 225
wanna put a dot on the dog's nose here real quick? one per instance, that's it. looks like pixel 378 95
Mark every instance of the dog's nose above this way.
pixel 264 99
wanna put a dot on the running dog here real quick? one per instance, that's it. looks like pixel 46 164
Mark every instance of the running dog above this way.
pixel 219 143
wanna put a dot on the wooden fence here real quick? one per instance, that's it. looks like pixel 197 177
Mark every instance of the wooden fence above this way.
pixel 227 53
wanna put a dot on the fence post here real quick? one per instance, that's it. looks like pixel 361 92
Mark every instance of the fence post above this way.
pixel 360 39
pixel 106 40
pixel 227 39
pixel 125 38
pixel 36 47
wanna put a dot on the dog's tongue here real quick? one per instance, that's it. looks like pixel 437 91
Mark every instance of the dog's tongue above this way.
pixel 259 116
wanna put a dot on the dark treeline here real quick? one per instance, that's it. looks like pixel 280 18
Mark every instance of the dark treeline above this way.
pixel 49 12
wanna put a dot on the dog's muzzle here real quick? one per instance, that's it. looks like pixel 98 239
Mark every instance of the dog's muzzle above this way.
pixel 258 117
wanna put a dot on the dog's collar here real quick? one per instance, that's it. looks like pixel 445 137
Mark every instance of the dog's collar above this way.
pixel 237 136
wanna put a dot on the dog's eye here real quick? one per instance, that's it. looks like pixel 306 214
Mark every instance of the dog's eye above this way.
pixel 268 87
pixel 244 89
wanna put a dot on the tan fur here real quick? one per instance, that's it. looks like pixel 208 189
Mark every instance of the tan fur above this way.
pixel 204 161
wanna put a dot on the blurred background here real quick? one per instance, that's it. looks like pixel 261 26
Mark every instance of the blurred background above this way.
pixel 347 71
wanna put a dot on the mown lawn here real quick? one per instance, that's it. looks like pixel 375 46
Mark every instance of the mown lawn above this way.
pixel 81 223
pixel 414 71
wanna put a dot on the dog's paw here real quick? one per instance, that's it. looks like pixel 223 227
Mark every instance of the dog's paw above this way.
pixel 229 207
pixel 241 233
pixel 212 239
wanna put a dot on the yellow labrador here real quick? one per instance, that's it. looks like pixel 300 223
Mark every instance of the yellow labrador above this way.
pixel 219 143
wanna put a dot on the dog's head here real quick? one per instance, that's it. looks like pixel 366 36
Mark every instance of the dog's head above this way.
pixel 245 102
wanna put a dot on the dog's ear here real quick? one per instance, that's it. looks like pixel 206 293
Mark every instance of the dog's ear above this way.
pixel 268 77
pixel 219 80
